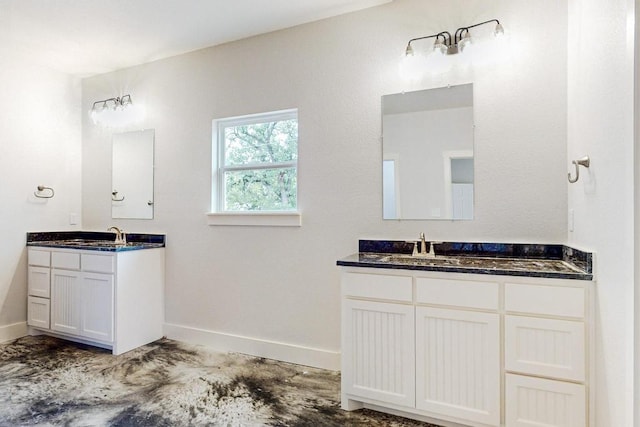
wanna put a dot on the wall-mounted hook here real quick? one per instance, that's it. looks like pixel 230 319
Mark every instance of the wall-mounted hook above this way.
pixel 114 196
pixel 585 161
pixel 42 188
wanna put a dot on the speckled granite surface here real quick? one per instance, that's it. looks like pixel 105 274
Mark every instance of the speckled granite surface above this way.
pixel 49 382
pixel 94 240
pixel 550 261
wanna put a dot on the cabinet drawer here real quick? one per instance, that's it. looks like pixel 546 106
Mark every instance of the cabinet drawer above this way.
pixel 378 286
pixel 38 257
pixel 538 402
pixel 546 347
pixel 65 260
pixel 38 312
pixel 546 300
pixel 39 281
pixel 98 263
pixel 483 295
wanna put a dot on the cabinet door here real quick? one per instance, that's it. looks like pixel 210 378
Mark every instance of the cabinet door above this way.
pixel 534 402
pixel 65 301
pixel 39 279
pixel 38 312
pixel 97 306
pixel 378 351
pixel 458 364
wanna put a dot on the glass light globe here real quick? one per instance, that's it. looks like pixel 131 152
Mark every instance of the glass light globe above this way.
pixel 440 48
pixel 412 67
pixel 465 43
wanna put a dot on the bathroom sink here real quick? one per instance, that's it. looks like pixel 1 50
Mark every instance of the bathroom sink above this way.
pixel 414 260
pixel 91 243
pixel 105 243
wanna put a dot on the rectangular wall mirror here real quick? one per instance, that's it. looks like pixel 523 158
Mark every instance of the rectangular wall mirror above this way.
pixel 427 149
pixel 132 175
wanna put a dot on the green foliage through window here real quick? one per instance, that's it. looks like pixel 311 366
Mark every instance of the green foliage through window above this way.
pixel 258 170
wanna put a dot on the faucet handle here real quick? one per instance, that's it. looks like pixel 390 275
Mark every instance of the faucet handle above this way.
pixel 432 249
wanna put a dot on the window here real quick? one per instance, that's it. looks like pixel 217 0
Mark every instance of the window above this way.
pixel 256 165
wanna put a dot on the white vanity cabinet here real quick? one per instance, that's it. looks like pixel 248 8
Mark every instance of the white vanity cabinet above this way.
pixel 468 349
pixel 108 299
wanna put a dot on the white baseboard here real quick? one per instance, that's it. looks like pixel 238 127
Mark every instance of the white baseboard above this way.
pixel 218 341
pixel 13 331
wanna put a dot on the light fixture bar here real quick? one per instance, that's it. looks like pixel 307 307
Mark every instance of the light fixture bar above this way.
pixel 115 111
pixel 120 101
pixel 461 37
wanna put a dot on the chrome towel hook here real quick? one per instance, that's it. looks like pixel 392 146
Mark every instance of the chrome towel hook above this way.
pixel 40 189
pixel 585 161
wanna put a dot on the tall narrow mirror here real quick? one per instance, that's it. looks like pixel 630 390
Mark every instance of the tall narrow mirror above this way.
pixel 427 164
pixel 132 175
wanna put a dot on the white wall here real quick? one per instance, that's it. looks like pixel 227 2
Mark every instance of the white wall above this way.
pixel 600 124
pixel 281 284
pixel 40 144
pixel 636 255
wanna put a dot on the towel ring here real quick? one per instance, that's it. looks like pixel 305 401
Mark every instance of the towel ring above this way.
pixel 42 188
pixel 585 161
pixel 114 196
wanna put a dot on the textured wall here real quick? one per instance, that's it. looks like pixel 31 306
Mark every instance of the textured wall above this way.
pixel 600 124
pixel 40 144
pixel 281 284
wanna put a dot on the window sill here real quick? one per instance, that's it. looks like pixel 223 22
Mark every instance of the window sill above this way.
pixel 256 219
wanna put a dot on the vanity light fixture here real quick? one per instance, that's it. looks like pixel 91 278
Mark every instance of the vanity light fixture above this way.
pixel 446 44
pixel 117 111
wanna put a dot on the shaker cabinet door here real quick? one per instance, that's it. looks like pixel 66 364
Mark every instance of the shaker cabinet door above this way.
pixel 458 364
pixel 378 351
pixel 65 301
pixel 97 306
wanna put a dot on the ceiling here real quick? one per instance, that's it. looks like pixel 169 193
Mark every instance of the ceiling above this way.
pixel 86 37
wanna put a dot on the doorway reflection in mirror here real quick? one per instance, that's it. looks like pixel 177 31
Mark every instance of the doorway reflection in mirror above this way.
pixel 428 165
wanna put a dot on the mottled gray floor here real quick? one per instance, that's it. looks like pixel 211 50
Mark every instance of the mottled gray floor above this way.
pixel 51 382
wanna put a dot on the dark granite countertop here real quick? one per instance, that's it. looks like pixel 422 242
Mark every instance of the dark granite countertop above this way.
pixel 550 261
pixel 95 240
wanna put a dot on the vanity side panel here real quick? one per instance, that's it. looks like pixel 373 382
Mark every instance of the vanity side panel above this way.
pixel 139 307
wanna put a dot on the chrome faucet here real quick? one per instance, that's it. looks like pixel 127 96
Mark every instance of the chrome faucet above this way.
pixel 121 237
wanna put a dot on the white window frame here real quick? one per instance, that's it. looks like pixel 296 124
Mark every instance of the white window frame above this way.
pixel 219 216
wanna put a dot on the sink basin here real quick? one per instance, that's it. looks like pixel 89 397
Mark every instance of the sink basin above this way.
pixel 95 243
pixel 104 243
pixel 413 260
